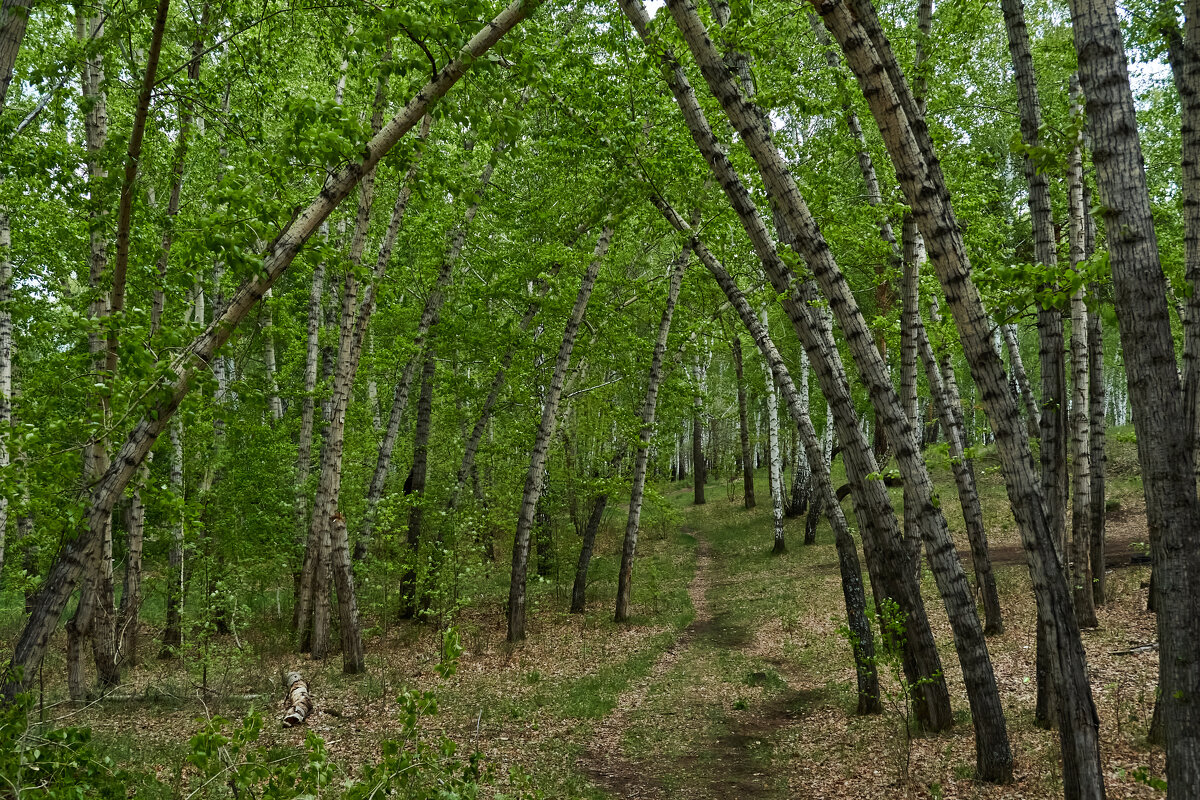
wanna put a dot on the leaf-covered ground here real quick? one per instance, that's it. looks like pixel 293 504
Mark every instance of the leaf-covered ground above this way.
pixel 733 681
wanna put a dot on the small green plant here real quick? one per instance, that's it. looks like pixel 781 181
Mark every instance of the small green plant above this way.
pixel 897 695
pixel 53 764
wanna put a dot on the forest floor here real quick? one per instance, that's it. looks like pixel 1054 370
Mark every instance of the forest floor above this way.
pixel 733 682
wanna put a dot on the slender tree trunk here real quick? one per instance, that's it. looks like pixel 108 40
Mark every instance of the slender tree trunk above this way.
pixel 993 754
pixel 649 407
pixel 541 446
pixel 1081 452
pixel 887 562
pixel 415 487
pixel 60 581
pixel 1053 431
pixel 588 545
pixel 95 616
pixel 274 403
pixel 172 638
pixel 1159 401
pixel 802 493
pixel 699 467
pixel 907 138
pixel 945 398
pixel 863 644
pixel 774 467
pixel 910 316
pixel 1096 404
pixel 1013 346
pixel 743 427
pixel 1185 68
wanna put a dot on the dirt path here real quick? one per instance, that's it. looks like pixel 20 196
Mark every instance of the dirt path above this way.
pixel 604 760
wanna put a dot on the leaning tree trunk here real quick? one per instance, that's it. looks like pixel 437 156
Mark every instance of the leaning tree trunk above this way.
pixel 774 467
pixel 863 644
pixel 1159 402
pixel 60 581
pixel 743 427
pixel 1053 431
pixel 415 486
pixel 649 405
pixel 588 545
pixel 908 142
pixel 887 562
pixel 1081 451
pixel 322 538
pixel 945 399
pixel 1013 346
pixel 799 229
pixel 541 445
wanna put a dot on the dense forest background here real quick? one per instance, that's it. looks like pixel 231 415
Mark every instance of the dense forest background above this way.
pixel 685 399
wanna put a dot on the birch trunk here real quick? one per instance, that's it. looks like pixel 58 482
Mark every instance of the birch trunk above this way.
pixel 863 645
pixel 1081 453
pixel 1185 69
pixel 890 572
pixel 910 316
pixel 993 755
pixel 801 494
pixel 1159 401
pixel 328 524
pixel 274 403
pixel 34 639
pixel 699 467
pixel 945 398
pixel 907 138
pixel 541 445
pixel 95 615
pixel 172 638
pixel 774 467
pixel 472 447
pixel 415 486
pixel 743 428
pixel 14 16
pixel 1013 346
pixel 1096 432
pixel 429 316
pixel 649 407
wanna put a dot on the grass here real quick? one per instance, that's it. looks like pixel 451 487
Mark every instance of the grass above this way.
pixel 756 702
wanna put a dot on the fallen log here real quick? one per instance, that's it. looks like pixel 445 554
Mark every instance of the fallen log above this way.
pixel 298 703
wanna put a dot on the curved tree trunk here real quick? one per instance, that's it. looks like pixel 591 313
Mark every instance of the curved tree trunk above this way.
pixel 887 562
pixel 56 589
pixel 907 138
pixel 863 644
pixel 945 398
pixel 993 754
pixel 649 406
pixel 541 445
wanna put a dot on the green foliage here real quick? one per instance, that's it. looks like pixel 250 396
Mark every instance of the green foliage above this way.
pixel 53 763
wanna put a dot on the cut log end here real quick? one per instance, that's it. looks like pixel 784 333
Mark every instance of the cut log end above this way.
pixel 298 702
